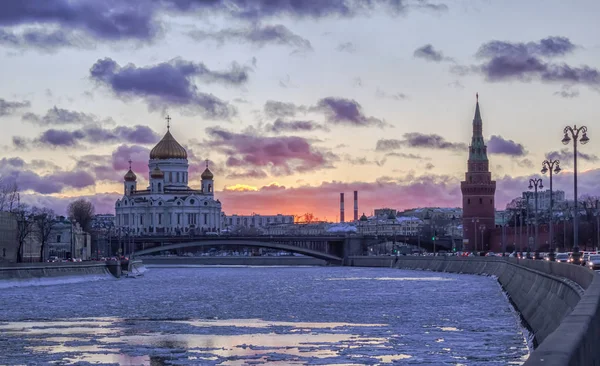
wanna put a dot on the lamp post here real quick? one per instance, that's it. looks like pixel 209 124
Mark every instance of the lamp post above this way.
pixel 482 229
pixel 572 133
pixel 475 221
pixel 551 166
pixel 536 183
pixel 503 235
pixel 597 214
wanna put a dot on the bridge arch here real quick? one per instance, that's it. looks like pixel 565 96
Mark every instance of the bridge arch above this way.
pixel 245 243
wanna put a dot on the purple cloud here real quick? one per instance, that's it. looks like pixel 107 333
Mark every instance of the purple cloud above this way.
pixel 419 140
pixel 341 111
pixel 429 53
pixel 15 169
pixel 566 156
pixel 258 35
pixel 94 134
pixel 280 126
pixel 41 39
pixel 59 116
pixel 170 84
pixel 275 109
pixel 8 107
pixel 248 174
pixel 499 145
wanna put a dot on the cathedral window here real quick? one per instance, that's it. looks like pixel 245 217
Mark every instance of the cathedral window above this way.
pixel 177 177
pixel 205 219
pixel 205 203
pixel 178 219
pixel 160 219
pixel 171 177
pixel 192 202
pixel 159 187
pixel 209 188
pixel 141 219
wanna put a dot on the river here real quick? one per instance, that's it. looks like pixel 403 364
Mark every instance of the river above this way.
pixel 255 315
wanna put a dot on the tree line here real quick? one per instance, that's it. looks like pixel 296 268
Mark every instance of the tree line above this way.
pixel 38 223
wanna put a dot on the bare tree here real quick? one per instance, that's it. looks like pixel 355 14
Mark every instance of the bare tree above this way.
pixel 24 227
pixel 44 221
pixel 8 194
pixel 81 211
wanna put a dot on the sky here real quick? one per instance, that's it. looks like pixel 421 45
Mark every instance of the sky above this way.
pixel 293 102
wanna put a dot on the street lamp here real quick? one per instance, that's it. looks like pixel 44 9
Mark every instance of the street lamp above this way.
pixel 475 222
pixel 551 166
pixel 572 133
pixel 536 183
pixel 482 229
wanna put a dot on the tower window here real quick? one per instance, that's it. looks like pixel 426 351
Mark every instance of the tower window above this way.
pixel 492 201
pixel 481 201
pixel 468 201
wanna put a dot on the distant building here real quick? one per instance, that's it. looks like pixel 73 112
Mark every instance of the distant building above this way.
pixel 544 199
pixel 391 225
pixel 385 212
pixel 8 237
pixel 233 222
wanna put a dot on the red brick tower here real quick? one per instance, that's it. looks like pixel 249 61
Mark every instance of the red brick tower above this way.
pixel 478 190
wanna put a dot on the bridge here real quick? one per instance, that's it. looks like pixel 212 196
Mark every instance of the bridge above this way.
pixel 332 248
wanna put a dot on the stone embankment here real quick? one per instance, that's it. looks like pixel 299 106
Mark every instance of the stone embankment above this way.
pixel 28 271
pixel 559 302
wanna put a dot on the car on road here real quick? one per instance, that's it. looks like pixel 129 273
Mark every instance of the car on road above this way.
pixel 593 262
pixel 562 257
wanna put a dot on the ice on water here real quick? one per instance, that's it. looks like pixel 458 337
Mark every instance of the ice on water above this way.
pixel 254 315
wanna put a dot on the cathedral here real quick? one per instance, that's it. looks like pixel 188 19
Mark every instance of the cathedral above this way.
pixel 478 191
pixel 168 205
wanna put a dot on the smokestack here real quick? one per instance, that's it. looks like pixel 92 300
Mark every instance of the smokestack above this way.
pixel 355 205
pixel 341 207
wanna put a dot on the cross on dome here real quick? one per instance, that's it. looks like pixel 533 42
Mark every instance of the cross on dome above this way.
pixel 129 164
pixel 206 163
pixel 168 118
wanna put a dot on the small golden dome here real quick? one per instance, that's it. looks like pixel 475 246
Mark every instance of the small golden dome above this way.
pixel 207 174
pixel 157 173
pixel 130 176
pixel 168 148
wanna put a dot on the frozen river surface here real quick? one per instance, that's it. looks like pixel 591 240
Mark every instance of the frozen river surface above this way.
pixel 255 315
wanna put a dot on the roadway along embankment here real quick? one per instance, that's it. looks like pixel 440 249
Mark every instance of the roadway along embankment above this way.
pixel 154 261
pixel 559 302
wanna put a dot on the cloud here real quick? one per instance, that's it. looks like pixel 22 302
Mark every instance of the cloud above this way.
pixel 525 163
pixel 567 93
pixel 275 109
pixel 248 174
pixel 7 107
pixel 109 20
pixel 341 111
pixel 406 156
pixel 346 47
pixel 507 61
pixel 258 35
pixel 103 202
pixel 59 116
pixel 15 169
pixel 261 9
pixel 363 160
pixel 280 126
pixel 429 53
pixel 396 96
pixel 282 155
pixel 93 134
pixel 566 156
pixel 499 145
pixel 170 84
pixel 42 39
pixel 419 140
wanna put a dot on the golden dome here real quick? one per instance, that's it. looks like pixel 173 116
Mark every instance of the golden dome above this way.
pixel 157 173
pixel 207 174
pixel 168 148
pixel 130 176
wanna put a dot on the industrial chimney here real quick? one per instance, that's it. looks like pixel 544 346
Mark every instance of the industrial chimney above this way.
pixel 355 205
pixel 341 207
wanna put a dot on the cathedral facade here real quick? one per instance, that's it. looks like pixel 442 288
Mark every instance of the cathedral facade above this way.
pixel 168 205
pixel 478 192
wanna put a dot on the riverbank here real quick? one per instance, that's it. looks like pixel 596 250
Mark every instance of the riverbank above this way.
pixel 24 274
pixel 154 261
pixel 560 302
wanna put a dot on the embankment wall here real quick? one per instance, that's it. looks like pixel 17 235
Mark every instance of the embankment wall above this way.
pixel 25 271
pixel 560 302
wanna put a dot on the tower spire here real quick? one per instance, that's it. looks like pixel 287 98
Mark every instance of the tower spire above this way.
pixel 206 163
pixel 129 164
pixel 477 150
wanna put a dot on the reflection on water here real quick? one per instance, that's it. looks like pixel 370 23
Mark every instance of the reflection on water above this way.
pixel 294 343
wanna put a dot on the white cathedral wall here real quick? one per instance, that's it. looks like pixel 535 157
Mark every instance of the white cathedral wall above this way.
pixel 171 167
